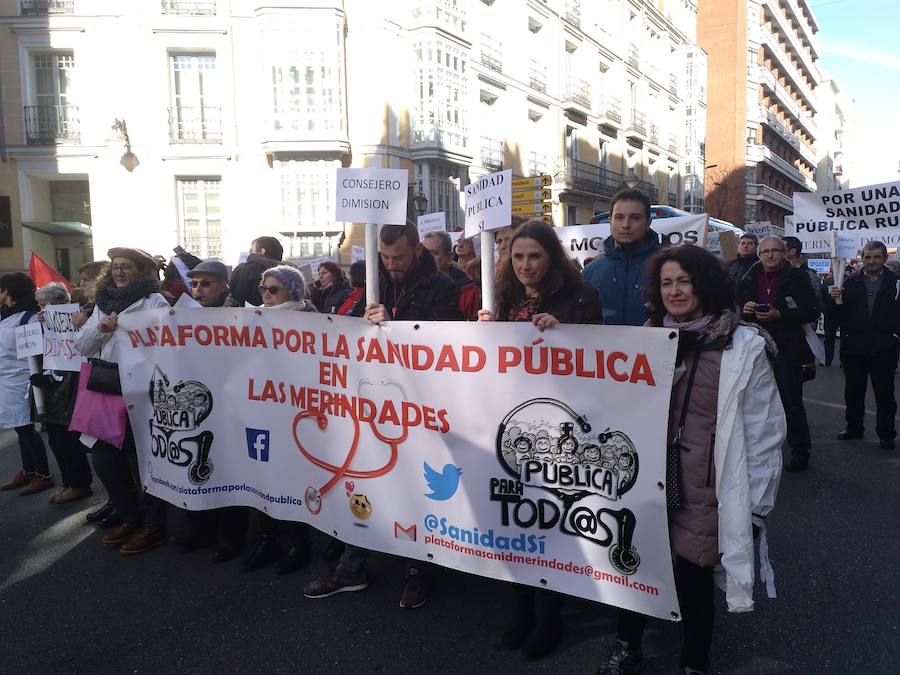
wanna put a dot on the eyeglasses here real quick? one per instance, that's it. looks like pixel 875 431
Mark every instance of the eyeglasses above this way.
pixel 121 268
pixel 202 283
pixel 771 251
pixel 270 289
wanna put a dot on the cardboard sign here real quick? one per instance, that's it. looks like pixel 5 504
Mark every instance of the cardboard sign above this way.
pixel 357 254
pixel 372 196
pixel 489 203
pixel 866 213
pixel 432 222
pixel 29 340
pixel 60 352
pixel 819 265
pixel 843 245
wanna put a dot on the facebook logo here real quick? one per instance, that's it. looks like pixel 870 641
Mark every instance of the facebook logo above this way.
pixel 258 444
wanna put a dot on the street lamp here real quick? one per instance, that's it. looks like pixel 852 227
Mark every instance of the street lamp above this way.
pixel 632 180
pixel 129 160
pixel 421 204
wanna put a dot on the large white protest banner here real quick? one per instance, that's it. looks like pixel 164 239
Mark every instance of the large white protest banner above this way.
pixel 582 242
pixel 431 222
pixel 371 195
pixel 867 213
pixel 490 448
pixel 60 352
pixel 489 202
pixel 586 241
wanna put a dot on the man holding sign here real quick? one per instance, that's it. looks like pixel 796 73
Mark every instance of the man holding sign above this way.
pixel 868 310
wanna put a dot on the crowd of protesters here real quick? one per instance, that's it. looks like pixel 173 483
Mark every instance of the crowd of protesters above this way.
pixel 745 349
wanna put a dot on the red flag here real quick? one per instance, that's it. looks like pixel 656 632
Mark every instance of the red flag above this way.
pixel 43 273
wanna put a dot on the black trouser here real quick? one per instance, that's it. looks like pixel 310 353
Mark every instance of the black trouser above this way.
pixel 32 450
pixel 228 524
pixel 118 471
pixel 787 377
pixel 831 326
pixel 696 595
pixel 880 369
pixel 297 533
pixel 70 458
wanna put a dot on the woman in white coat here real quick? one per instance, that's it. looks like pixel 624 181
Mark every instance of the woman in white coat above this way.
pixel 131 284
pixel 19 308
pixel 723 457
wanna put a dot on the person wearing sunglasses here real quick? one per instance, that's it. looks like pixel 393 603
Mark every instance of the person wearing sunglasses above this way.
pixel 282 287
pixel 209 283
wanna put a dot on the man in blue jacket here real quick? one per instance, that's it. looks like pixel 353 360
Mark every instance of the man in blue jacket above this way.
pixel 869 316
pixel 619 273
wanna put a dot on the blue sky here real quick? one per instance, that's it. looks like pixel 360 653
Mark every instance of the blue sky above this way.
pixel 859 46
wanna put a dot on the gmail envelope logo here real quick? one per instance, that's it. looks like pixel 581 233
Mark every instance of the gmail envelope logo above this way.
pixel 404 533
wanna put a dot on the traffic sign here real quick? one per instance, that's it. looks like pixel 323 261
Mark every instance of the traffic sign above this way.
pixel 532 208
pixel 532 182
pixel 548 220
pixel 532 196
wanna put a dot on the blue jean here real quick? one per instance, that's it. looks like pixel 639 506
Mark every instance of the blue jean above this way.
pixel 354 559
pixel 31 447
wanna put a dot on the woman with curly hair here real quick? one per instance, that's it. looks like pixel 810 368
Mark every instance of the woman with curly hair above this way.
pixel 723 458
pixel 329 291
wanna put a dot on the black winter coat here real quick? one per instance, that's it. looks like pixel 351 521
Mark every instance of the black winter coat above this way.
pixel 578 305
pixel 245 278
pixel 328 301
pixel 428 295
pixel 861 334
pixel 788 330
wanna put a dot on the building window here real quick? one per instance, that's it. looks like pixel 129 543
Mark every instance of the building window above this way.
pixel 307 71
pixel 52 117
pixel 440 112
pixel 200 216
pixel 195 115
pixel 307 195
pixel 189 7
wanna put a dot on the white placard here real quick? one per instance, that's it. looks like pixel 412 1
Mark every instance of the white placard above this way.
pixel 60 352
pixel 712 242
pixel 382 436
pixel 372 196
pixel 761 230
pixel 866 213
pixel 29 340
pixel 432 222
pixel 489 202
pixel 186 302
pixel 843 245
pixel 357 253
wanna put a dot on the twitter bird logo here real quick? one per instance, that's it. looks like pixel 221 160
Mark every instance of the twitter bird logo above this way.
pixel 442 485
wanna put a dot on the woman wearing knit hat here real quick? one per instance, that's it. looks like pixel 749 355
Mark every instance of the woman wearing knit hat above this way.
pixel 131 284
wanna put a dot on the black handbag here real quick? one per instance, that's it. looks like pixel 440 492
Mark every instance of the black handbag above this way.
pixel 104 378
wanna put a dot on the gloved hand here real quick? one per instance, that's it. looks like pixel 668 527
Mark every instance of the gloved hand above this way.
pixel 40 380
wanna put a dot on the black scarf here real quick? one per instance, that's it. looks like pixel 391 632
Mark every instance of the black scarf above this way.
pixel 112 299
pixel 27 305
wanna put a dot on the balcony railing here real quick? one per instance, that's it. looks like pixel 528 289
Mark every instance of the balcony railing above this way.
pixel 611 108
pixel 638 122
pixel 673 85
pixel 537 78
pixel 672 199
pixel 195 124
pixel 491 153
pixel 537 163
pixel 633 55
pixel 591 178
pixel 189 7
pixel 760 191
pixel 654 133
pixel 673 143
pixel 573 12
pixel 49 124
pixel 491 53
pixel 40 7
pixel 579 91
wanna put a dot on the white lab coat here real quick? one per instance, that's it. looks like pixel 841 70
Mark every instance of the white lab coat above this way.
pixel 14 376
pixel 750 430
pixel 92 343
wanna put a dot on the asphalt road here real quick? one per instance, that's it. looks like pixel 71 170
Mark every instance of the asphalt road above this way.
pixel 69 604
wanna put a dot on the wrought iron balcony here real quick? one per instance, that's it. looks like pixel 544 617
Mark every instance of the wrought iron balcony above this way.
pixel 195 124
pixel 41 7
pixel 573 12
pixel 537 79
pixel 189 7
pixel 634 59
pixel 672 199
pixel 578 91
pixel 638 122
pixel 591 178
pixel 491 53
pixel 654 133
pixel 611 108
pixel 491 153
pixel 50 124
pixel 673 85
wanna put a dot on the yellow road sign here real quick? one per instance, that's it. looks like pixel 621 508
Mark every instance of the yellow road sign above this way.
pixel 532 209
pixel 548 220
pixel 532 196
pixel 532 182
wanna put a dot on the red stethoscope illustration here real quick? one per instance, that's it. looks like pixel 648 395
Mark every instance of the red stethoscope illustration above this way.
pixel 314 495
